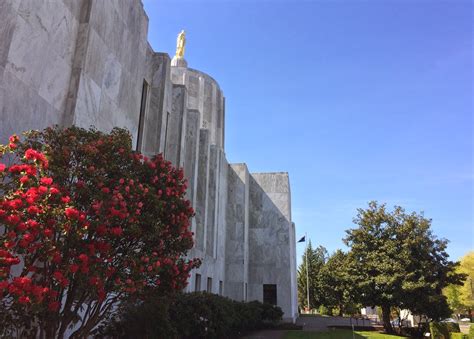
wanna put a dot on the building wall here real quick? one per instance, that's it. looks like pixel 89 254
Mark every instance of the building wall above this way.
pixel 205 96
pixel 237 221
pixel 37 49
pixel 271 239
pixel 88 63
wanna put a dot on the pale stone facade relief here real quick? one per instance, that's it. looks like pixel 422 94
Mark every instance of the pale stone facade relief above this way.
pixel 88 63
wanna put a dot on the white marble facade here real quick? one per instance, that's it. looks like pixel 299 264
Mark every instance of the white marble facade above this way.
pixel 88 63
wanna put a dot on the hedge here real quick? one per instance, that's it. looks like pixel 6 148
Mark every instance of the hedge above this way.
pixel 456 335
pixel 445 330
pixel 191 315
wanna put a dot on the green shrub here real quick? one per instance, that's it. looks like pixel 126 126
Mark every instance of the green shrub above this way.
pixel 323 310
pixel 452 327
pixel 201 315
pixel 443 330
pixel 205 315
pixel 249 315
pixel 191 315
pixel 471 331
pixel 456 335
pixel 415 332
pixel 140 320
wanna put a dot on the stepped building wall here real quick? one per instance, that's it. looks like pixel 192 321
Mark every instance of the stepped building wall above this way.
pixel 88 63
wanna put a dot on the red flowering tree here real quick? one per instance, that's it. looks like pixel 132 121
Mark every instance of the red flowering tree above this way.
pixel 85 222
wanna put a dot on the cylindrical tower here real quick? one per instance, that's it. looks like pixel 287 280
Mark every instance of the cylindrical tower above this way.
pixel 203 95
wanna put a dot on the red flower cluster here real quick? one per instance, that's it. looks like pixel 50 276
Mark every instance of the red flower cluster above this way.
pixel 39 157
pixel 93 215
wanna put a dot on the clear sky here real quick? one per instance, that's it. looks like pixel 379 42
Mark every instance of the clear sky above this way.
pixel 357 100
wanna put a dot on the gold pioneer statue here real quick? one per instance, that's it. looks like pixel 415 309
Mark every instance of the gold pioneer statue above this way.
pixel 180 42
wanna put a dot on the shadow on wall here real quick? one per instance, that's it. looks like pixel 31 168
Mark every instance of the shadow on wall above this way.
pixel 271 253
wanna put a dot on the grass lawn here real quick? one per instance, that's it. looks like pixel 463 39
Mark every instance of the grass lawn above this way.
pixel 337 334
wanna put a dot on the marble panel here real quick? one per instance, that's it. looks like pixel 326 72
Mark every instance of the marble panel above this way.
pixel 211 201
pixel 133 114
pixel 104 27
pixel 129 95
pixel 27 54
pixel 202 185
pixel 234 290
pixel 8 17
pixel 64 29
pixel 14 3
pixel 128 52
pixel 108 113
pixel 137 59
pixel 236 223
pixel 273 182
pixel 191 149
pixel 75 7
pixel 156 108
pixel 193 86
pixel 55 19
pixel 207 113
pixel 128 121
pixel 87 104
pixel 55 82
pixel 145 55
pixel 19 100
pixel 144 28
pixel 97 54
pixel 131 16
pixel 174 129
pixel 112 76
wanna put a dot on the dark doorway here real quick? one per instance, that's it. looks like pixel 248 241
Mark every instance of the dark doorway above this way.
pixel 270 294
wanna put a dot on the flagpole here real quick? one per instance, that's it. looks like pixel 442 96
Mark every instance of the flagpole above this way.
pixel 307 273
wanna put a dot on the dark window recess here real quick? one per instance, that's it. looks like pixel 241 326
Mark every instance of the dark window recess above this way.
pixel 270 294
pixel 166 133
pixel 197 283
pixel 221 287
pixel 141 119
pixel 209 285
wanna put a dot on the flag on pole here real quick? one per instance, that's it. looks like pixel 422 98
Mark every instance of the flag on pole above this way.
pixel 303 239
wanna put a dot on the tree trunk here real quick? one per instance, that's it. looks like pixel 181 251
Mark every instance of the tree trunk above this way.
pixel 386 319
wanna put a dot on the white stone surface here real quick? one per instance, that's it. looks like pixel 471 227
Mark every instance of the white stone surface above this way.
pixel 88 102
pixel 55 81
pixel 179 62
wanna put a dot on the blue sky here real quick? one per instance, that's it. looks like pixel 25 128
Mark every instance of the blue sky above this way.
pixel 357 100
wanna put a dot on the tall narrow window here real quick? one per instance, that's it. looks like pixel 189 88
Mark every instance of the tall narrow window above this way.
pixel 141 119
pixel 221 287
pixel 270 294
pixel 166 133
pixel 197 283
pixel 209 285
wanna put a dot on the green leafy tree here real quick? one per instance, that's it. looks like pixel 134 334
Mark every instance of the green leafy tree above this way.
pixel 467 289
pixel 316 259
pixel 453 294
pixel 396 261
pixel 334 285
pixel 461 297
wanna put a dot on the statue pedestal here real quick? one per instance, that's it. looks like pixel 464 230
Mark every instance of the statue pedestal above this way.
pixel 178 62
